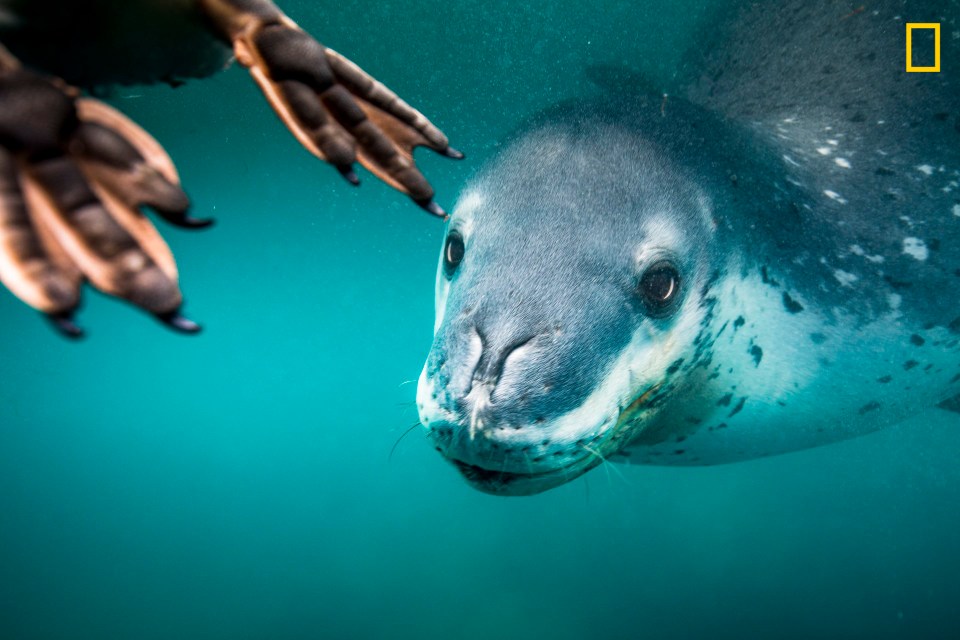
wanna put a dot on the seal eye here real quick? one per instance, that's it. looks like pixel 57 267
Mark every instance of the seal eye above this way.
pixel 659 286
pixel 453 252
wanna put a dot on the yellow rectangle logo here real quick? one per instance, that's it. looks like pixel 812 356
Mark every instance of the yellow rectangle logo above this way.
pixel 936 47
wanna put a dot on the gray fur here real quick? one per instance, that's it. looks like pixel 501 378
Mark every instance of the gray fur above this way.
pixel 823 64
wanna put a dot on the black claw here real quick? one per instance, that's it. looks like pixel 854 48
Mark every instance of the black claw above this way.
pixel 184 221
pixel 63 322
pixel 432 207
pixel 349 175
pixel 178 322
pixel 190 222
pixel 450 152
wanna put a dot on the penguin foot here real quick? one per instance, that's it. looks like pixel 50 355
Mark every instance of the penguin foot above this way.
pixel 74 174
pixel 335 110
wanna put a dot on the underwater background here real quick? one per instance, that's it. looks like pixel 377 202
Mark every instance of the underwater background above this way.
pixel 240 484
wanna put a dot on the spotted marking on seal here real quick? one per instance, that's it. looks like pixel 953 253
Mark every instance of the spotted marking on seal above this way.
pixel 873 405
pixel 954 325
pixel 737 409
pixel 790 304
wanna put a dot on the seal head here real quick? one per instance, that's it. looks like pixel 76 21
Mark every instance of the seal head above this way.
pixel 525 389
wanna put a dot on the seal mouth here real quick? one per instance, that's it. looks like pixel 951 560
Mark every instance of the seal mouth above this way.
pixel 510 483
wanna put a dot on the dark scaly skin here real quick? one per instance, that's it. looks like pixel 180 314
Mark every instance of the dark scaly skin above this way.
pixel 74 173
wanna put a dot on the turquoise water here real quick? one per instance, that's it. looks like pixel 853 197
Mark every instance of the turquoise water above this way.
pixel 241 485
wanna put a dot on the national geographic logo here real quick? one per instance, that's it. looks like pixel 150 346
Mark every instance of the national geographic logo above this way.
pixel 923 26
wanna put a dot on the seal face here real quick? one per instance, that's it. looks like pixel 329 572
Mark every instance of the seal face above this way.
pixel 744 273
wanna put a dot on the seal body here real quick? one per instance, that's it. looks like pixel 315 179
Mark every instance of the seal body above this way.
pixel 768 264
pixel 97 43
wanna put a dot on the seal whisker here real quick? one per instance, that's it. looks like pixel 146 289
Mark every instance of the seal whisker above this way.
pixel 527 462
pixel 607 465
pixel 402 436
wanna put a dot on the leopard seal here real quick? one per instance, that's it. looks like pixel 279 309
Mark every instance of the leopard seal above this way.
pixel 767 261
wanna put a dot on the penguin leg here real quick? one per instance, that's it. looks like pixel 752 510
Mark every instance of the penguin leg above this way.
pixel 337 111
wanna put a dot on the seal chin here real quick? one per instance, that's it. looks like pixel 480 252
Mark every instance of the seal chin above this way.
pixel 508 483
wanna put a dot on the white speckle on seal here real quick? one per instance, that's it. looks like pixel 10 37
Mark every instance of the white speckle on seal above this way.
pixel 832 143
pixel 842 162
pixel 845 278
pixel 833 195
pixel 824 151
pixel 916 248
pixel 956 210
pixel 925 169
pixel 790 160
pixel 857 250
pixel 894 300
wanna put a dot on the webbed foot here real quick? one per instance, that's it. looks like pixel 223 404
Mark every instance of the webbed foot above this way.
pixel 74 173
pixel 336 110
